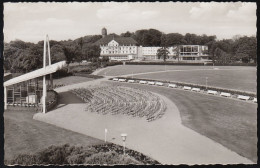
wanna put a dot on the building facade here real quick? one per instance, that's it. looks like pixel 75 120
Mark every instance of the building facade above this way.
pixel 118 48
pixel 194 52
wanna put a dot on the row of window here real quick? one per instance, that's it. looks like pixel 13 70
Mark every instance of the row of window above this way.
pixel 120 48
pixel 116 52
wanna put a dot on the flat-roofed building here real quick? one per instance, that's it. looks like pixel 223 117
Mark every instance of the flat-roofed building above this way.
pixel 193 52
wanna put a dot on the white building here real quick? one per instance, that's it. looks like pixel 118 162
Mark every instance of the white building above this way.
pixel 194 52
pixel 150 53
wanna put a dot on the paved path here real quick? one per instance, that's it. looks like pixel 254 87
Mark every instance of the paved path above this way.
pixel 165 140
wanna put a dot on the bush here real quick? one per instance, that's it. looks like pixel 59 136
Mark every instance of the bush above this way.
pixel 110 158
pixel 62 73
pixel 88 75
pixel 97 154
pixel 24 159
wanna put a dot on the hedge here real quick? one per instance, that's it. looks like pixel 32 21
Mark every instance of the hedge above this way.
pixel 88 75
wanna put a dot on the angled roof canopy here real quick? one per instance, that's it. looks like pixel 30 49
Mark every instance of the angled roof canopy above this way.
pixel 37 73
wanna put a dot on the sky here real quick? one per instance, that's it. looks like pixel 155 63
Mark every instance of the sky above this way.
pixel 62 21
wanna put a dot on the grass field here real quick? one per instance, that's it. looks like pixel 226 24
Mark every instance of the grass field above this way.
pixel 231 77
pixel 25 135
pixel 70 80
pixel 229 122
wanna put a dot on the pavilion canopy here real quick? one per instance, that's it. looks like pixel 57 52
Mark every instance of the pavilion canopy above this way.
pixel 37 73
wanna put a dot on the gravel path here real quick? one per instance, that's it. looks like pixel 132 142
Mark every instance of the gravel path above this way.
pixel 165 140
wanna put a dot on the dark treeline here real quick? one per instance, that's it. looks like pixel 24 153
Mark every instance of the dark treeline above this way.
pixel 26 56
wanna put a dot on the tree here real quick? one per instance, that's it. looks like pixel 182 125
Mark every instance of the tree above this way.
pixel 246 49
pixel 176 49
pixel 192 39
pixel 163 53
pixel 92 52
pixel 70 53
pixel 126 34
pixel 173 39
pixel 151 37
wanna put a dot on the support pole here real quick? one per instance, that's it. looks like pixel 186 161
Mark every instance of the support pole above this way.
pixel 44 95
pixel 44 80
pixel 124 147
pixel 49 55
pixel 5 97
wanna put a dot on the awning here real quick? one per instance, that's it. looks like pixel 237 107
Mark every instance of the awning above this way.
pixel 37 73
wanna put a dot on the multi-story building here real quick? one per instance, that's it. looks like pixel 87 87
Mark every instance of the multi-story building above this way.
pixel 116 47
pixel 126 48
pixel 150 53
pixel 193 52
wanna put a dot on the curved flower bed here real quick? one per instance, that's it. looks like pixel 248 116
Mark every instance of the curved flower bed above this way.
pixel 122 100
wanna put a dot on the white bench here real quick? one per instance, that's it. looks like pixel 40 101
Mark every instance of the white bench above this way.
pixel 151 83
pixel 255 100
pixel 142 82
pixel 115 79
pixel 224 94
pixel 187 88
pixel 212 92
pixel 131 81
pixel 172 85
pixel 243 97
pixel 122 80
pixel 159 83
pixel 195 89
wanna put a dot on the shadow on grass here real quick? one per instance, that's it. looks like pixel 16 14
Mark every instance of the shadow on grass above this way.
pixel 65 98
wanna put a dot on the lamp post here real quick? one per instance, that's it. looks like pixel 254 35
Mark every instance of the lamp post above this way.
pixel 206 82
pixel 105 135
pixel 124 139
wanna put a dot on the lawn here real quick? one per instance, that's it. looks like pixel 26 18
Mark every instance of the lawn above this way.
pixel 70 80
pixel 25 135
pixel 229 122
pixel 231 77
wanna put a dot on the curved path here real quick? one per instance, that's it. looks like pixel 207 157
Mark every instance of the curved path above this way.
pixel 165 140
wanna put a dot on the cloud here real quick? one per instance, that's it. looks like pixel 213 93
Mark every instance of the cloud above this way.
pixel 123 11
pixel 246 12
pixel 211 10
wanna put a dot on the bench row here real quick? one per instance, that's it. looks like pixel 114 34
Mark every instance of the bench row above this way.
pixel 213 92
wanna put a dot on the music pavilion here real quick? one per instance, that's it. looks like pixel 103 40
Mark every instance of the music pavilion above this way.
pixel 30 89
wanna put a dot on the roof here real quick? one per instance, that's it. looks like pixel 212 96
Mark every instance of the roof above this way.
pixel 37 73
pixel 120 40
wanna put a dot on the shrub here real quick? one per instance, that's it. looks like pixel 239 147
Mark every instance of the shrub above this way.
pixel 55 155
pixel 97 154
pixel 24 159
pixel 62 73
pixel 110 158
